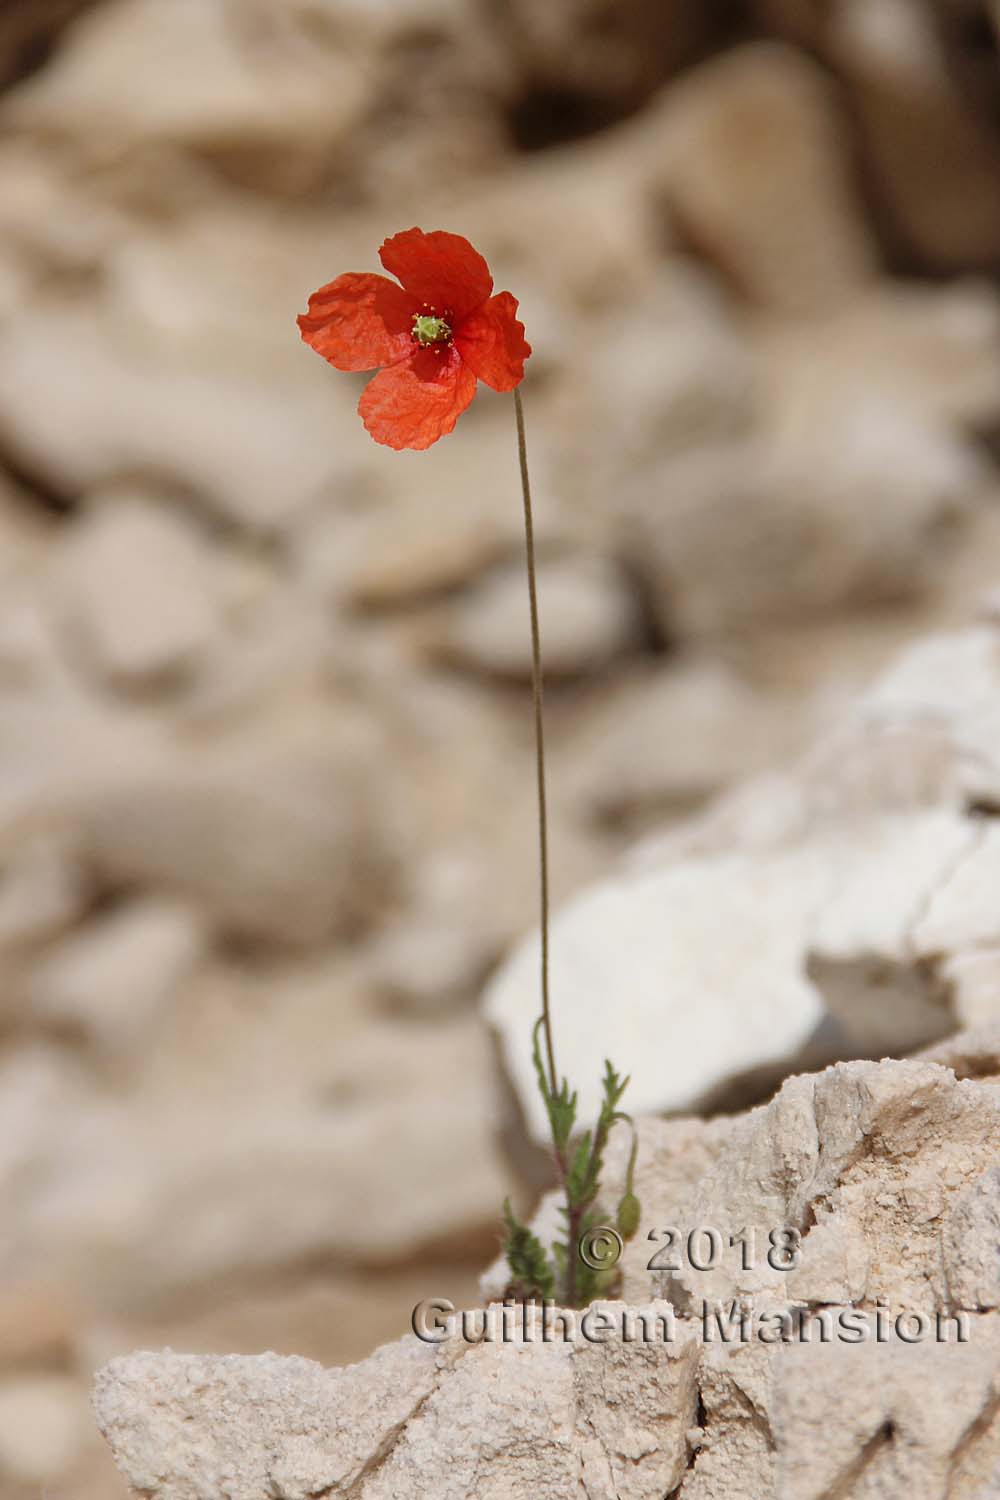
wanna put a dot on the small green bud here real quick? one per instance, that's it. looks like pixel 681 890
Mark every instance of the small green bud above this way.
pixel 629 1214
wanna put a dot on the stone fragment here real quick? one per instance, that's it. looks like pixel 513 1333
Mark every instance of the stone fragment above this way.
pixel 588 617
pixel 664 741
pixel 799 525
pixel 969 1245
pixel 653 940
pixel 872 953
pixel 136 591
pixel 254 1426
pixel 759 1383
pixel 141 75
pixel 289 1093
pixel 493 1420
pixel 277 842
pixel 111 980
pixel 931 157
pixel 94 427
pixel 757 179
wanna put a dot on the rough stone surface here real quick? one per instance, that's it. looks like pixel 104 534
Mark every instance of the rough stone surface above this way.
pixel 853 896
pixel 879 1170
pixel 267 814
pixel 497 1419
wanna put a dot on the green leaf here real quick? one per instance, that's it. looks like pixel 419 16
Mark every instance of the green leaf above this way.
pixel 529 1265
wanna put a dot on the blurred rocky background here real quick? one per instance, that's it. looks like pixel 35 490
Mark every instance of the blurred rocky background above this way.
pixel 266 781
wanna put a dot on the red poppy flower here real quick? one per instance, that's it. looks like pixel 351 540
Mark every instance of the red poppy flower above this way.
pixel 434 336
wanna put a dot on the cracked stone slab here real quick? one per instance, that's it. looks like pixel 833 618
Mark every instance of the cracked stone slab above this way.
pixel 888 1172
pixel 489 1420
pixel 884 1172
pixel 878 1169
pixel 253 1427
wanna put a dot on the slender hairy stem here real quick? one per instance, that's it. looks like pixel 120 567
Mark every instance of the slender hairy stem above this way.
pixel 536 685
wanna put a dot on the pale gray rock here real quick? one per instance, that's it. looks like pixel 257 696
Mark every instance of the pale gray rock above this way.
pixel 930 351
pixel 190 76
pixel 894 1419
pixel 137 591
pixel 974 1053
pixel 251 1426
pixel 866 1183
pixel 435 953
pixel 588 616
pixel 873 951
pixel 798 524
pixel 821 1394
pixel 920 84
pixel 974 977
pixel 665 740
pixel 743 137
pixel 110 981
pixel 648 946
pixel 272 1098
pixel 969 1241
pixel 924 734
pixel 642 394
pixel 880 1159
pixel 94 426
pixel 490 1420
pixel 823 926
pixel 593 199
pixel 279 841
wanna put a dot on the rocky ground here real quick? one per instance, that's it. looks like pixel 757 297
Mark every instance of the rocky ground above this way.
pixel 888 1173
pixel 266 796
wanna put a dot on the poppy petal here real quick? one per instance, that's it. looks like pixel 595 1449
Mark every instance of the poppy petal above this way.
pixel 492 343
pixel 411 405
pixel 440 269
pixel 360 321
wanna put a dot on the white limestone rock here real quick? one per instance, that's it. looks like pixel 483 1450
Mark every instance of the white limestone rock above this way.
pixel 700 962
pixel 894 1156
pixel 491 1421
pixel 844 907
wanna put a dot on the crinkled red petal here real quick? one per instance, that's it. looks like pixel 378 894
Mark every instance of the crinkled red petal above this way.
pixel 414 403
pixel 360 321
pixel 440 269
pixel 492 343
